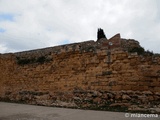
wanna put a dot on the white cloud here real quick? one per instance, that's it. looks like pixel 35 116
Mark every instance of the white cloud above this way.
pixel 3 48
pixel 43 23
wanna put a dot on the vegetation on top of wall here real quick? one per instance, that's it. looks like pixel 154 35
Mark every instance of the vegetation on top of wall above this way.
pixel 150 53
pixel 25 61
pixel 141 51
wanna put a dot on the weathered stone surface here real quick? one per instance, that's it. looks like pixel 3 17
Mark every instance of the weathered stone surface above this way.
pixel 126 97
pixel 120 104
pixel 97 100
pixel 77 98
pixel 118 96
pixel 89 74
pixel 137 108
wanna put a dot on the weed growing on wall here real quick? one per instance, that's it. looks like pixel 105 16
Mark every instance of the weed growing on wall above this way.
pixel 39 60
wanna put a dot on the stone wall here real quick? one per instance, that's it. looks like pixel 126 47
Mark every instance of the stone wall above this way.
pixel 82 75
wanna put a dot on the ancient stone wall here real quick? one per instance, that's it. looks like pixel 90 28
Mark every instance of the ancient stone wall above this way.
pixel 81 75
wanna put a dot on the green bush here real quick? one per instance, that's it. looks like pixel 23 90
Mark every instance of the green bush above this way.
pixel 139 50
pixel 150 53
pixel 41 59
pixel 25 61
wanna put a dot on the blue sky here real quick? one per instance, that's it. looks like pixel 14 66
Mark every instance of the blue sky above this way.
pixel 33 24
pixel 2 30
pixel 6 16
